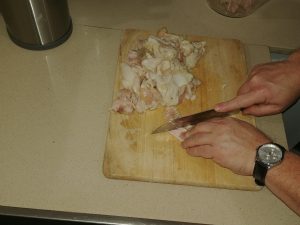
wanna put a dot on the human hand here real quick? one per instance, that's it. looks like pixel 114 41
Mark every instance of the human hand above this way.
pixel 270 89
pixel 229 142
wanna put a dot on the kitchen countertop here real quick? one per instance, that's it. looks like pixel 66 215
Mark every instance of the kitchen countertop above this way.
pixel 275 24
pixel 55 107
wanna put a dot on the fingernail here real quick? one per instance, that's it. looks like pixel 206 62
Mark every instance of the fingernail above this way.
pixel 218 107
pixel 182 135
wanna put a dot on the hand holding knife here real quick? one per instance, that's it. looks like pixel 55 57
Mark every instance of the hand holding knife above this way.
pixel 190 120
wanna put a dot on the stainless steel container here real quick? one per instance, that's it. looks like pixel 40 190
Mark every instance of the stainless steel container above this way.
pixel 37 24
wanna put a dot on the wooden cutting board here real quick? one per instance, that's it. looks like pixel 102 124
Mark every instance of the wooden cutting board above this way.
pixel 133 153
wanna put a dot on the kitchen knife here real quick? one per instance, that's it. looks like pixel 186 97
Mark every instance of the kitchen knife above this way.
pixel 189 120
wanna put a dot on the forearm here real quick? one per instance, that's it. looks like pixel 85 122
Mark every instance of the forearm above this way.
pixel 294 58
pixel 284 181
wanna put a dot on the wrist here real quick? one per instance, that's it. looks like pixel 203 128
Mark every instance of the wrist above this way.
pixel 277 171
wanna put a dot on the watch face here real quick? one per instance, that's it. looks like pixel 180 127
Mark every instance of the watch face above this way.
pixel 270 154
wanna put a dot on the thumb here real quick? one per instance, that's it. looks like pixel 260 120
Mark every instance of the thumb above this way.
pixel 262 110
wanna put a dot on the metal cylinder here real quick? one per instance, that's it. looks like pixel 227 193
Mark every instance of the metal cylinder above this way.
pixel 37 24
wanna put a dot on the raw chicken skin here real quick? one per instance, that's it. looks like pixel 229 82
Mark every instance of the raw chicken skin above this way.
pixel 157 73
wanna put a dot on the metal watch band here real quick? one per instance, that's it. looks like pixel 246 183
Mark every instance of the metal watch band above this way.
pixel 259 173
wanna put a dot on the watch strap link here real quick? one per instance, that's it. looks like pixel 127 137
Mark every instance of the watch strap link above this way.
pixel 259 173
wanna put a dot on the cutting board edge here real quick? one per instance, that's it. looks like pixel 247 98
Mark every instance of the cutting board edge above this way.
pixel 105 167
pixel 174 182
pixel 129 30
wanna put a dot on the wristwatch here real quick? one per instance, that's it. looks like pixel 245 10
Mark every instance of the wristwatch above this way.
pixel 267 156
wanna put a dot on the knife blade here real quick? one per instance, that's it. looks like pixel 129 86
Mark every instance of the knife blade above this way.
pixel 189 120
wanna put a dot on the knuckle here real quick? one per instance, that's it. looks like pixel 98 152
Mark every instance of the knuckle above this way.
pixel 191 151
pixel 265 93
pixel 224 124
pixel 256 80
pixel 186 143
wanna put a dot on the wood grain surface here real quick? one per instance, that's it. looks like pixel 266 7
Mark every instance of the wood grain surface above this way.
pixel 133 153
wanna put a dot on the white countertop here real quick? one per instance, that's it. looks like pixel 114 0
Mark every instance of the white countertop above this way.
pixel 275 24
pixel 54 117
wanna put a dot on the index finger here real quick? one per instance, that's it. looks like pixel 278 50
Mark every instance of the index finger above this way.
pixel 240 101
